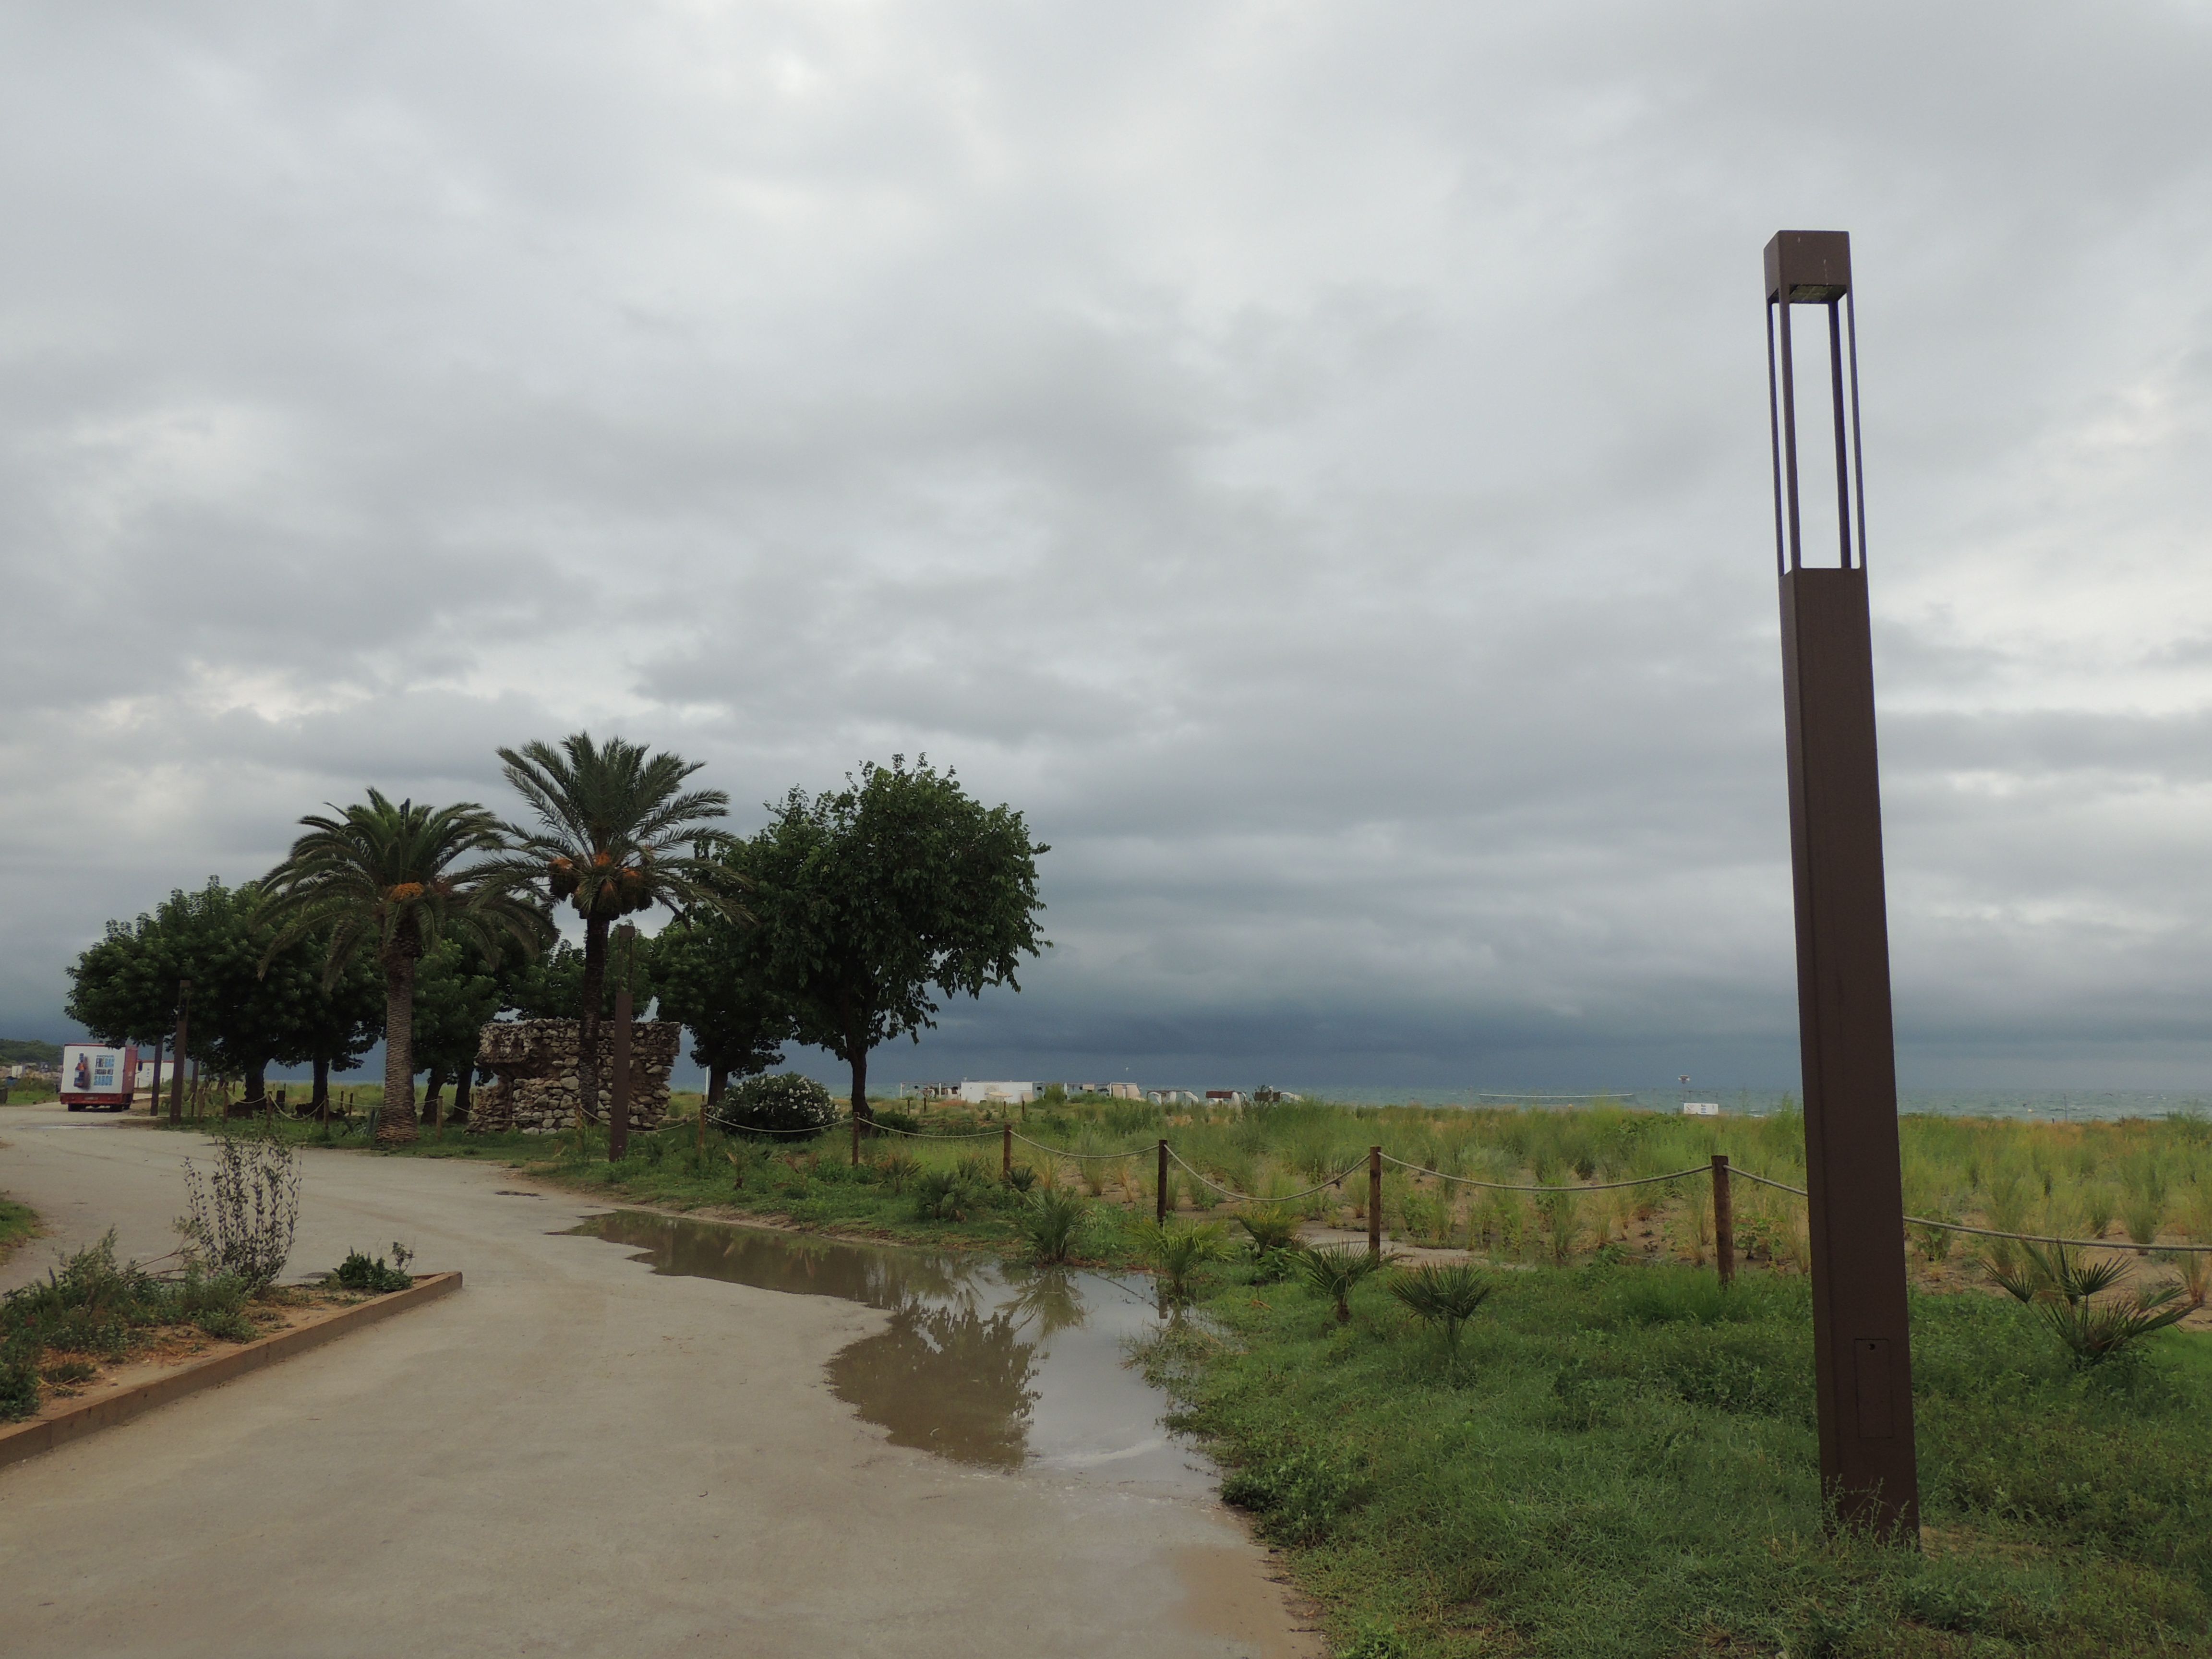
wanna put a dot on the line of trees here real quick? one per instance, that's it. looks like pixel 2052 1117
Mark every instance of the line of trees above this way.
pixel 839 924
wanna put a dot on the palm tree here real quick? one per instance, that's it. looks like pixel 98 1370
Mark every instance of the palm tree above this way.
pixel 613 826
pixel 400 877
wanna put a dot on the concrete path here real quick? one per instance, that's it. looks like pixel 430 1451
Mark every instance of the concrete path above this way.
pixel 570 1456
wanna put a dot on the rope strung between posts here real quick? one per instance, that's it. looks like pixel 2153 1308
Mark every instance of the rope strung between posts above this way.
pixel 1081 1158
pixel 1513 1186
pixel 1247 1197
pixel 883 1128
pixel 1993 1233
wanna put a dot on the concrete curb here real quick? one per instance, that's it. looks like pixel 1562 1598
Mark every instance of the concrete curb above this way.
pixel 23 1440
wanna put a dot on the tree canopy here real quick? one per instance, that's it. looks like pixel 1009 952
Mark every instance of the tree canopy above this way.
pixel 255 1001
pixel 711 975
pixel 402 878
pixel 874 899
pixel 617 833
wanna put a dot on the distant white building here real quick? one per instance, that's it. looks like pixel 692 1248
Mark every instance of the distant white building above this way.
pixel 1124 1092
pixel 1008 1094
pixel 1224 1097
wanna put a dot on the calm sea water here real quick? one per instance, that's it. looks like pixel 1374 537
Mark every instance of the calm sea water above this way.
pixel 2040 1106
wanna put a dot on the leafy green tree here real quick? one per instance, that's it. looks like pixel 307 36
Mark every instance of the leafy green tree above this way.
pixel 712 977
pixel 616 833
pixel 456 991
pixel 551 985
pixel 399 877
pixel 124 989
pixel 870 898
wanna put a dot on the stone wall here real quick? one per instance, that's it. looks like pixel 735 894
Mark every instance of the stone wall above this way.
pixel 536 1060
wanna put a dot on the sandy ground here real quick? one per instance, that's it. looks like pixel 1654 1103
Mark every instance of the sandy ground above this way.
pixel 570 1455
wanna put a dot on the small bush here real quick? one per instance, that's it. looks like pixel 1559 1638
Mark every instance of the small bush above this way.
pixel 783 1107
pixel 359 1272
pixel 948 1195
pixel 1052 1220
pixel 242 1216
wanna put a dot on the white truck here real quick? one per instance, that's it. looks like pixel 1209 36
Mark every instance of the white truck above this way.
pixel 97 1078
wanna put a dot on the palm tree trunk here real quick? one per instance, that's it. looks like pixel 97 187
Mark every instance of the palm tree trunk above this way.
pixel 588 1022
pixel 395 1119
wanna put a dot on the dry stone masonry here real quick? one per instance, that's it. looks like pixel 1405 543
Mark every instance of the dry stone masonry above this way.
pixel 536 1060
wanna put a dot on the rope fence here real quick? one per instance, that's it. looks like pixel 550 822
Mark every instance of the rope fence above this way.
pixel 1515 1186
pixel 1722 1171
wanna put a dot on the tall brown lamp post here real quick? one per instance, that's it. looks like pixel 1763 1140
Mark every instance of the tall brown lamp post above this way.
pixel 1862 1338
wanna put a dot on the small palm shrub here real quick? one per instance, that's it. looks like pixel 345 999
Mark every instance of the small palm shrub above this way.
pixel 1021 1177
pixel 1273 1233
pixel 1052 1220
pixel 897 1171
pixel 784 1106
pixel 2062 1286
pixel 1445 1296
pixel 1335 1270
pixel 954 1194
pixel 1177 1252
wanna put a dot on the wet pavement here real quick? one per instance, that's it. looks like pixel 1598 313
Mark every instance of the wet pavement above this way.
pixel 1005 1367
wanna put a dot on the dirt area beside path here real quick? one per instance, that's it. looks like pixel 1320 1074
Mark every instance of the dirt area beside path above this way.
pixel 570 1454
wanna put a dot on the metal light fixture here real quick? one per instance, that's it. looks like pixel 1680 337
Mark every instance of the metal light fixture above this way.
pixel 1862 1337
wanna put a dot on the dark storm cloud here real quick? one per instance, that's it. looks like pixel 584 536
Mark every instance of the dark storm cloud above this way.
pixel 1311 459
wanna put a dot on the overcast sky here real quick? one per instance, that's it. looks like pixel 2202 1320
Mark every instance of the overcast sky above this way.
pixel 1311 458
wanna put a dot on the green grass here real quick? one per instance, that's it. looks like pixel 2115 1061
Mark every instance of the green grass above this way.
pixel 19 1222
pixel 1627 1466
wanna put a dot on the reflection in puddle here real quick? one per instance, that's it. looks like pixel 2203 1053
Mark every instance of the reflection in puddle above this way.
pixel 1008 1367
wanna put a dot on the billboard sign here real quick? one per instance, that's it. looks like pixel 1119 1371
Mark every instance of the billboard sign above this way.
pixel 91 1073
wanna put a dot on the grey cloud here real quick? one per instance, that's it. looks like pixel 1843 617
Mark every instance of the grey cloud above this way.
pixel 1311 461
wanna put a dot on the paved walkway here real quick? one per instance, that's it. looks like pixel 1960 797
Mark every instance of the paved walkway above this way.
pixel 570 1456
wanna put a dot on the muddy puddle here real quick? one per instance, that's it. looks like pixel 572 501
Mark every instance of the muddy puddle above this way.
pixel 1005 1367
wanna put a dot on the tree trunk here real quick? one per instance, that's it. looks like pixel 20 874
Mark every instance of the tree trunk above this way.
pixel 433 1095
pixel 254 1091
pixel 587 1017
pixel 861 1113
pixel 465 1094
pixel 717 1079
pixel 395 1119
pixel 322 1087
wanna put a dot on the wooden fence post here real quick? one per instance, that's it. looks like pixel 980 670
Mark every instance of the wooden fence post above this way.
pixel 1160 1192
pixel 1006 1151
pixel 1375 1202
pixel 1723 1221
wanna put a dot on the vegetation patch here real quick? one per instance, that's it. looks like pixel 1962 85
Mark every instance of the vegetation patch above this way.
pixel 1604 1468
pixel 19 1223
pixel 1579 1444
